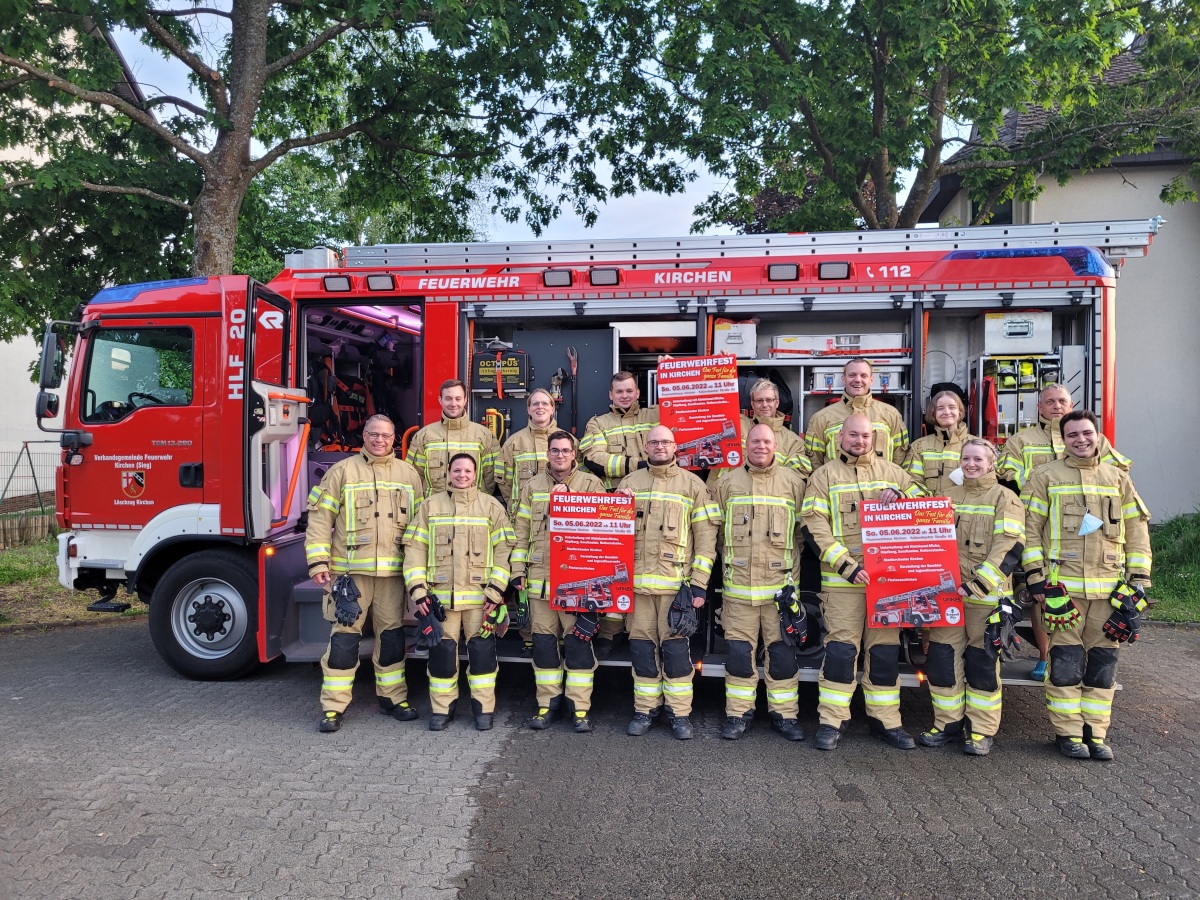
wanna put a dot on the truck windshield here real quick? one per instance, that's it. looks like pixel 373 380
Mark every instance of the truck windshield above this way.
pixel 129 368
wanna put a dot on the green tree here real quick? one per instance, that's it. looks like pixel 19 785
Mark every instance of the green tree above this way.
pixel 433 101
pixel 860 91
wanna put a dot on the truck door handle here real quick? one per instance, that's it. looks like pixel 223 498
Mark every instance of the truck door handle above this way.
pixel 191 475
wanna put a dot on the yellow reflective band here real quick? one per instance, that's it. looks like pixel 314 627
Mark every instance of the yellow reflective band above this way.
pixel 952 701
pixel 443 685
pixel 678 688
pixel 580 679
pixel 783 696
pixel 386 679
pixel 548 676
pixel 740 691
pixel 486 680
pixel 647 688
pixel 1064 705
pixel 881 698
pixel 834 697
pixel 1095 705
pixel 983 701
pixel 337 683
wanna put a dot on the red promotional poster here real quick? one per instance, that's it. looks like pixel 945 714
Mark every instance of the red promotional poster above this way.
pixel 911 554
pixel 698 401
pixel 591 552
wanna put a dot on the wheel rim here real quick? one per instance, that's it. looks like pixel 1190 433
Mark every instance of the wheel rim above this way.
pixel 209 618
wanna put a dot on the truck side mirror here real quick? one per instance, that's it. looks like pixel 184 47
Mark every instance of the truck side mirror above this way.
pixel 53 362
pixel 47 405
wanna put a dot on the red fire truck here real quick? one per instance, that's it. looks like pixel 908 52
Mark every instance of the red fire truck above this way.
pixel 192 406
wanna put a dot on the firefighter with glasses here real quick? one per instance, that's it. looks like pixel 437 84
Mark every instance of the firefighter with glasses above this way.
pixel 963 661
pixel 674 544
pixel 456 558
pixel 759 504
pixel 531 571
pixel 1087 563
pixel 357 516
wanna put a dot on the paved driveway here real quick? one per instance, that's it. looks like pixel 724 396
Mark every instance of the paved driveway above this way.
pixel 122 780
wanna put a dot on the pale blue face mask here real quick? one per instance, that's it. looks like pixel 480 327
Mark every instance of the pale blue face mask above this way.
pixel 1089 524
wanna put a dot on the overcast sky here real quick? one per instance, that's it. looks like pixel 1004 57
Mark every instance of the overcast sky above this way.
pixel 643 215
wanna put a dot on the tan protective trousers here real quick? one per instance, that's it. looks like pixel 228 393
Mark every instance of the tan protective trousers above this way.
pixel 383 600
pixel 951 703
pixel 745 622
pixel 1075 705
pixel 845 614
pixel 549 682
pixel 461 625
pixel 648 622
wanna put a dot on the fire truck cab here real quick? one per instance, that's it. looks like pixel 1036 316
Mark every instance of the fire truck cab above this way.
pixel 199 412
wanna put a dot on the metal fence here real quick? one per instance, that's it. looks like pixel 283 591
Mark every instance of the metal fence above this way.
pixel 27 477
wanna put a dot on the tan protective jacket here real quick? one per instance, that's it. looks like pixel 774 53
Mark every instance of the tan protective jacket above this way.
pixel 433 446
pixel 458 548
pixel 531 552
pixel 830 513
pixel 675 538
pixel 357 515
pixel 932 458
pixel 759 511
pixel 614 442
pixel 1042 443
pixel 990 525
pixel 1057 497
pixel 522 456
pixel 821 437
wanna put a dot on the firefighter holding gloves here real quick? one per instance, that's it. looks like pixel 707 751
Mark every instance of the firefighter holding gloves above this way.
pixel 674 545
pixel 830 516
pixel 357 516
pixel 434 445
pixel 964 660
pixel 457 550
pixel 1087 560
pixel 530 572
pixel 759 504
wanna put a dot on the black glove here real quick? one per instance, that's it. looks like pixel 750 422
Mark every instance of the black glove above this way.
pixel 586 625
pixel 1061 613
pixel 793 619
pixel 345 599
pixel 495 622
pixel 429 625
pixel 516 598
pixel 1130 597
pixel 1123 626
pixel 1000 633
pixel 681 617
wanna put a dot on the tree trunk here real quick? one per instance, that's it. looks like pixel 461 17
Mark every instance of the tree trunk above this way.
pixel 215 220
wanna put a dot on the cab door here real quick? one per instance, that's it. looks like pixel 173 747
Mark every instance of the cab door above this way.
pixel 142 404
pixel 276 419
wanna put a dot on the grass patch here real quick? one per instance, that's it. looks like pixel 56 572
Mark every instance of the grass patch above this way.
pixel 1176 546
pixel 31 595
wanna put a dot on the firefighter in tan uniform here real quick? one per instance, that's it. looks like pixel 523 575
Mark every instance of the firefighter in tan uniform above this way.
pixel 674 545
pixel 963 668
pixel 890 434
pixel 830 516
pixel 522 456
pixel 457 550
pixel 433 446
pixel 1034 446
pixel 614 445
pixel 759 504
pixel 1087 553
pixel 356 521
pixel 932 460
pixel 789 446
pixel 531 570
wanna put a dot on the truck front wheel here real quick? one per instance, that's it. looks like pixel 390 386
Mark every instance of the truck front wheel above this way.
pixel 204 615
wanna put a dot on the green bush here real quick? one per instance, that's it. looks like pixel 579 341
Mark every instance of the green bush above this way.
pixel 1176 545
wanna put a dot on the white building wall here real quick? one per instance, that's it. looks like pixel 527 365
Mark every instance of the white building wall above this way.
pixel 1158 329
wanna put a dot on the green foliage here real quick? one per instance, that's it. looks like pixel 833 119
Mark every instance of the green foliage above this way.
pixel 19 564
pixel 1176 547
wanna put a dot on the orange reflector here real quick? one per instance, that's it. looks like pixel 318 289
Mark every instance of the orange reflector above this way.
pixel 920 676
pixel 699 665
pixel 270 551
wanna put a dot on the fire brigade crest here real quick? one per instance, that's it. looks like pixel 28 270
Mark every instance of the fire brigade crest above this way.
pixel 133 483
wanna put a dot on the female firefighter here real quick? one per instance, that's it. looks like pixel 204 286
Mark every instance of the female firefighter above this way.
pixel 933 461
pixel 990 524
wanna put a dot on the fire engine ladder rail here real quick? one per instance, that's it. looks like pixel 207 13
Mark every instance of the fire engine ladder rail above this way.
pixel 1119 238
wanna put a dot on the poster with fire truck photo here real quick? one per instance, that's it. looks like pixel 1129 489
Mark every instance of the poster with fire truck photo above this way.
pixel 911 553
pixel 698 401
pixel 591 552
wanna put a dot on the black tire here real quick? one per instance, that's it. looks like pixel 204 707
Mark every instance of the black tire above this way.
pixel 204 615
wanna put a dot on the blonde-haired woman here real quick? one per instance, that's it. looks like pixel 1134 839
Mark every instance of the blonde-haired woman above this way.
pixel 962 667
pixel 933 460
